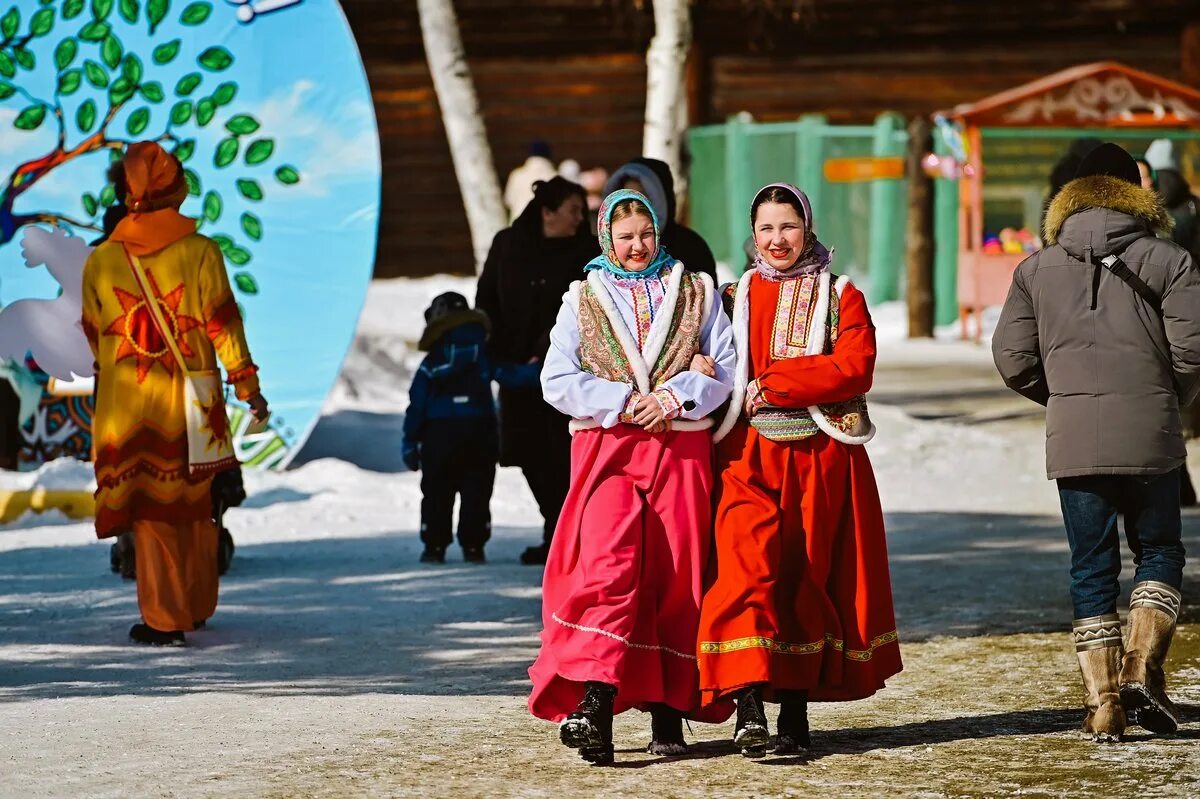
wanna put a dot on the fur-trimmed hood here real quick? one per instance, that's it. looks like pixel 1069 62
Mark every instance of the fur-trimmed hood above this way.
pixel 1104 213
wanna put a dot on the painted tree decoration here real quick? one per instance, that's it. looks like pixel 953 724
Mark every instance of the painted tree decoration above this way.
pixel 105 97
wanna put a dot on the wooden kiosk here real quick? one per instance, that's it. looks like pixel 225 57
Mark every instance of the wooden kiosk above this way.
pixel 1096 97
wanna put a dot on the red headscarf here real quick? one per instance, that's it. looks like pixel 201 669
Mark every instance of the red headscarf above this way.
pixel 156 188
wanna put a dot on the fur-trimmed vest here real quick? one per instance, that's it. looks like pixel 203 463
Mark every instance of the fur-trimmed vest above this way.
pixel 849 421
pixel 607 348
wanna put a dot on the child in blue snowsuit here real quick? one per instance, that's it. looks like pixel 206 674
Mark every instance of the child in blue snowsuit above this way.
pixel 450 432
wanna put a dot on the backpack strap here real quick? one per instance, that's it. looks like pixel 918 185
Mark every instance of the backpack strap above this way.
pixel 1115 265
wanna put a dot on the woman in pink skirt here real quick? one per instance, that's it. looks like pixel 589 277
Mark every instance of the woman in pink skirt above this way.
pixel 640 356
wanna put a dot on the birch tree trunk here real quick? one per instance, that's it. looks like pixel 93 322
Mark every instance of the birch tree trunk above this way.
pixel 465 131
pixel 666 93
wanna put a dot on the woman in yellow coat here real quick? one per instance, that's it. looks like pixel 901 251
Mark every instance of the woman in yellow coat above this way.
pixel 143 481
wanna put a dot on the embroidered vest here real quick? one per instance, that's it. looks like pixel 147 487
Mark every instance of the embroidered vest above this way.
pixel 806 322
pixel 603 353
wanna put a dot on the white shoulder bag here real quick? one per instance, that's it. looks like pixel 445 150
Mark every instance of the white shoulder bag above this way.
pixel 210 449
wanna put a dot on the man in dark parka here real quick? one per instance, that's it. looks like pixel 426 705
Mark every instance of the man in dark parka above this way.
pixel 1113 368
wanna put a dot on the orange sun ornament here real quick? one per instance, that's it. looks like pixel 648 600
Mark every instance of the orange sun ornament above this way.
pixel 139 337
pixel 216 424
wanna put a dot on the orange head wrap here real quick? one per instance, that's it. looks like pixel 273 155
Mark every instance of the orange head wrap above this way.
pixel 156 187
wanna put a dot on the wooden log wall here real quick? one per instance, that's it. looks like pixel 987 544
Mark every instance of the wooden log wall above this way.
pixel 572 72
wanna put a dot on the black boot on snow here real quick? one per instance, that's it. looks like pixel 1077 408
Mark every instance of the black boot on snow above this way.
pixel 792 736
pixel 474 555
pixel 751 734
pixel 666 732
pixel 535 556
pixel 434 555
pixel 589 728
pixel 145 634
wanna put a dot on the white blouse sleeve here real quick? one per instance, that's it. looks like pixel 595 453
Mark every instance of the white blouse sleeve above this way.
pixel 571 390
pixel 696 395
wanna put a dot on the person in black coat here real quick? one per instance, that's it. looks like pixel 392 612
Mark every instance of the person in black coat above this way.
pixel 653 178
pixel 528 269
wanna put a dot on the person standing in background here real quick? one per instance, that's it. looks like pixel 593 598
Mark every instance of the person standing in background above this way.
pixel 528 269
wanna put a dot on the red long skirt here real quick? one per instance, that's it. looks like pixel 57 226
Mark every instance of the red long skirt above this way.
pixel 801 598
pixel 621 592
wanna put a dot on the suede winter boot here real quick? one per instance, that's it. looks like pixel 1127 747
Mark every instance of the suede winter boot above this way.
pixel 1153 609
pixel 1098 647
pixel 792 734
pixel 666 732
pixel 589 728
pixel 751 734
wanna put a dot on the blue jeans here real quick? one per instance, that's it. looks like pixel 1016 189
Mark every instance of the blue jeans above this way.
pixel 1090 506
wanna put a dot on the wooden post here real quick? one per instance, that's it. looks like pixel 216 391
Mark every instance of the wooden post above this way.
pixel 1189 49
pixel 919 238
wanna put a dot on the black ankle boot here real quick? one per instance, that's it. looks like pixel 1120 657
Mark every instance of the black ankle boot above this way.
pixel 145 634
pixel 589 728
pixel 751 734
pixel 666 731
pixel 792 737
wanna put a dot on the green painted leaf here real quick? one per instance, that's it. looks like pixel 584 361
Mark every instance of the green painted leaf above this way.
pixel 188 83
pixel 6 90
pixel 205 109
pixel 252 225
pixel 111 51
pixel 85 117
pixel 96 74
pixel 225 93
pixel 212 206
pixel 131 67
pixel 238 256
pixel 72 9
pixel 193 181
pixel 108 196
pixel 195 14
pixel 245 282
pixel 184 150
pixel 102 8
pixel 138 121
pixel 223 241
pixel 31 118
pixel 259 151
pixel 250 189
pixel 156 12
pixel 25 58
pixel 90 204
pixel 68 82
pixel 165 53
pixel 7 68
pixel 287 175
pixel 121 90
pixel 226 153
pixel 242 124
pixel 129 10
pixel 65 53
pixel 152 91
pixel 215 59
pixel 181 112
pixel 10 23
pixel 95 31
pixel 42 22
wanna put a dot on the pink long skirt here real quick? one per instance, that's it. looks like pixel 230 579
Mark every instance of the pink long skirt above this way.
pixel 624 577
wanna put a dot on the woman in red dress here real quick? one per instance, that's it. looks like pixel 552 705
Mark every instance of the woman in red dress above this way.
pixel 800 607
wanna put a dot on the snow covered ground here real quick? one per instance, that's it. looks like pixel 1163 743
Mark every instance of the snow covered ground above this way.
pixel 336 665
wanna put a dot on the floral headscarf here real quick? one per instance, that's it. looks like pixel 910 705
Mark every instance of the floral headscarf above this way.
pixel 608 255
pixel 814 258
